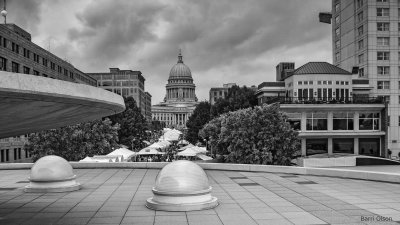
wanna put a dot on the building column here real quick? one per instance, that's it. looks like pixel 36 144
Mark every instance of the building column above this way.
pixel 356 146
pixel 303 147
pixel 330 149
pixel 303 121
pixel 356 122
pixel 330 121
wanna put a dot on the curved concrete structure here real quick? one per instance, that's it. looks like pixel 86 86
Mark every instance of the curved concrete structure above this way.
pixel 31 103
pixel 182 186
pixel 52 174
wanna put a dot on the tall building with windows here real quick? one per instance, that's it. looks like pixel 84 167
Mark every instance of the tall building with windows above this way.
pixel 18 54
pixel 365 36
pixel 180 99
pixel 126 83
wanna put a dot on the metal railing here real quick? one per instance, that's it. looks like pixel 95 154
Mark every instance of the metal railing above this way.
pixel 308 100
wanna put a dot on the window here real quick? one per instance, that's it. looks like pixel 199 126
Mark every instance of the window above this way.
pixel 36 57
pixel 343 121
pixel 361 58
pixel 360 3
pixel 337 56
pixel 337 19
pixel 316 146
pixel 300 82
pixel 369 121
pixel 44 62
pixel 337 44
pixel 27 70
pixel 15 154
pixel 317 121
pixel 319 82
pixel 383 84
pixel 337 7
pixel 383 41
pixel 383 56
pixel 382 12
pixel 15 47
pixel 381 0
pixel 360 44
pixel 4 42
pixel 3 64
pixel 383 70
pixel 360 16
pixel 27 53
pixel 36 73
pixel 343 145
pixel 337 32
pixel 59 69
pixel 361 72
pixel 294 119
pixel 382 26
pixel 14 67
pixel 360 30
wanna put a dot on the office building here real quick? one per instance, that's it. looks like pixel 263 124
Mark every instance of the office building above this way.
pixel 366 41
pixel 321 102
pixel 18 54
pixel 126 83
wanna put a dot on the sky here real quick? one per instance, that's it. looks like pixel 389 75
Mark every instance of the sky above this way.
pixel 222 41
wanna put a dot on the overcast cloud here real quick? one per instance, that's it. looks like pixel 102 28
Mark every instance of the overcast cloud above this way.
pixel 222 41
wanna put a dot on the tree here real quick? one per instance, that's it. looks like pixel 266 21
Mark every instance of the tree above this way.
pixel 237 98
pixel 200 116
pixel 75 142
pixel 254 136
pixel 132 123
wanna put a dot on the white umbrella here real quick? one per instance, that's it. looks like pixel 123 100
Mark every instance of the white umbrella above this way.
pixel 149 151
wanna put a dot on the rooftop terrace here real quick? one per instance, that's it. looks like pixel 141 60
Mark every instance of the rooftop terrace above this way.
pixel 118 195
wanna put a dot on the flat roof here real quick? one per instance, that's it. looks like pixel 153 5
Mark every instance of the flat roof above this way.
pixel 118 196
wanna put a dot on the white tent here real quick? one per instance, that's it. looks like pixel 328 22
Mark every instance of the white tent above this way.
pixel 94 160
pixel 200 149
pixel 188 152
pixel 183 142
pixel 126 153
pixel 170 135
pixel 149 151
pixel 111 158
pixel 203 157
pixel 185 147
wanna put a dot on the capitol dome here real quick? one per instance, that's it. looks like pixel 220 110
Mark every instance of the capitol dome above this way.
pixel 182 186
pixel 180 70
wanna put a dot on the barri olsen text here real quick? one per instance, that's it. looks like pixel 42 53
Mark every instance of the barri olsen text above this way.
pixel 376 218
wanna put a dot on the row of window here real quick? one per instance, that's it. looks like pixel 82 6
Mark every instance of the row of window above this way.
pixel 323 82
pixel 366 146
pixel 117 83
pixel 5 154
pixel 341 121
pixel 180 81
pixel 323 93
pixel 36 58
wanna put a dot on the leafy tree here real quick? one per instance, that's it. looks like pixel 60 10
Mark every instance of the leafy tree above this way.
pixel 200 116
pixel 254 136
pixel 237 98
pixel 132 123
pixel 76 142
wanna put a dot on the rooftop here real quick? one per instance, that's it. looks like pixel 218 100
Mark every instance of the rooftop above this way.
pixel 320 68
pixel 118 196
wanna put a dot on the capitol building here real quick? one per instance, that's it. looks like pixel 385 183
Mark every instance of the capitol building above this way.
pixel 180 99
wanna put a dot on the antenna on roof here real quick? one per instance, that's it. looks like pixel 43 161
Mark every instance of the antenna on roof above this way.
pixel 4 12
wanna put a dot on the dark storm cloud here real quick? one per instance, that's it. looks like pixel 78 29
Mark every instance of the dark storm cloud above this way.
pixel 214 32
pixel 25 13
pixel 113 29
